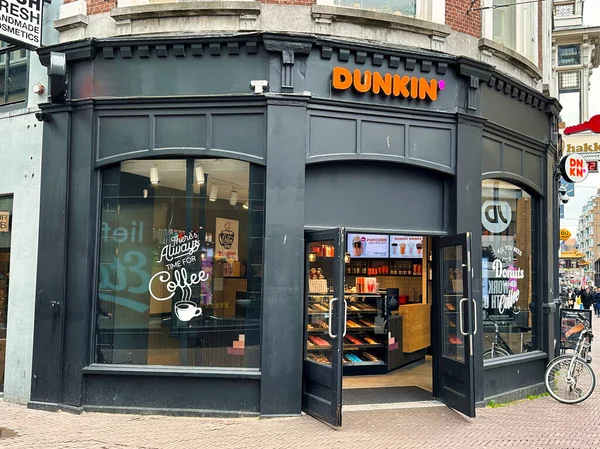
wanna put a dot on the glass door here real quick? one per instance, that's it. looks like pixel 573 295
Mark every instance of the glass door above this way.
pixel 325 311
pixel 455 322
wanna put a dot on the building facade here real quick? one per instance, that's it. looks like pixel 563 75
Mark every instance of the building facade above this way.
pixel 21 75
pixel 207 153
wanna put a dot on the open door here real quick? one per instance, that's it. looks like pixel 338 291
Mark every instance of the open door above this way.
pixel 455 324
pixel 324 309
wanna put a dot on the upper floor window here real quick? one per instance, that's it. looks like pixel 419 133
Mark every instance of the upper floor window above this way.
pixel 514 26
pixel 569 54
pixel 420 9
pixel 564 10
pixel 13 74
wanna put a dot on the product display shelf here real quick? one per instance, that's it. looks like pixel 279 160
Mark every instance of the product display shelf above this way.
pixel 454 341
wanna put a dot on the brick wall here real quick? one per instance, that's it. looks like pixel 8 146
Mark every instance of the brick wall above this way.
pixel 458 19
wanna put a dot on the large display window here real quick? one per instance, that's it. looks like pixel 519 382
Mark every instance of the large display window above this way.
pixel 180 263
pixel 509 262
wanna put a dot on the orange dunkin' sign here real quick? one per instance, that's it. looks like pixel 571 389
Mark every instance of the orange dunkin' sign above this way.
pixel 386 84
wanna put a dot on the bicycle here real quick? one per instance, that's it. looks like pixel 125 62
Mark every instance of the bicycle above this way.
pixel 569 378
pixel 500 348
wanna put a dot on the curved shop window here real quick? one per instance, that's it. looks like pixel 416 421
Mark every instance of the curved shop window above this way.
pixel 509 253
pixel 180 265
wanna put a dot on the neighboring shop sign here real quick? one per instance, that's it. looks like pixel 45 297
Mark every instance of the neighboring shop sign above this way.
pixel 574 168
pixel 406 247
pixel 592 166
pixel 386 84
pixel 368 245
pixel 496 215
pixel 227 237
pixel 4 221
pixel 593 124
pixel 565 234
pixel 21 22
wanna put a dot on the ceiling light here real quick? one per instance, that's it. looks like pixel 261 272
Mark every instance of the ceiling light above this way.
pixel 233 198
pixel 199 175
pixel 154 175
pixel 245 206
pixel 213 193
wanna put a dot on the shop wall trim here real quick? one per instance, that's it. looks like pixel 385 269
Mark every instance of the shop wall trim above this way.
pixel 197 413
pixel 171 371
pixel 514 179
pixel 515 360
pixel 233 132
pixel 362 135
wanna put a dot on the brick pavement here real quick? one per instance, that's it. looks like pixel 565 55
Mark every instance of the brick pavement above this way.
pixel 540 423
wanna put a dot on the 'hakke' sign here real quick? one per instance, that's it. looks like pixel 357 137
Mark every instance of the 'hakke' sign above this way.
pixel 21 22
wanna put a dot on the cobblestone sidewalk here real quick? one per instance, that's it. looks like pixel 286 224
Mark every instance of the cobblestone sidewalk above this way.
pixel 540 423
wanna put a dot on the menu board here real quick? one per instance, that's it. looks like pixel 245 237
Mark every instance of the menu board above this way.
pixel 406 247
pixel 366 246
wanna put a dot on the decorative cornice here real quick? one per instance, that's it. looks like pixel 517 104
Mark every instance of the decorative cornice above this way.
pixel 511 56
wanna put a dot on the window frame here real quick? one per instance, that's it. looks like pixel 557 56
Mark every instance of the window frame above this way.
pixel 92 365
pixel 5 52
pixel 564 46
pixel 535 306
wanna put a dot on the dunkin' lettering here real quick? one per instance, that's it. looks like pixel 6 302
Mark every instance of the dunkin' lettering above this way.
pixel 386 84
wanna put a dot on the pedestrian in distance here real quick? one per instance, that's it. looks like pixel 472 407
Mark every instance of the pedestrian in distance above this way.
pixel 587 298
pixel 597 301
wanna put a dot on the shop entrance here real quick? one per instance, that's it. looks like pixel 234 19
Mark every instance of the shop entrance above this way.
pixel 5 233
pixel 387 321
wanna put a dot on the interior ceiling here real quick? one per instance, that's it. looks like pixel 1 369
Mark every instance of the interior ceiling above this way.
pixel 226 174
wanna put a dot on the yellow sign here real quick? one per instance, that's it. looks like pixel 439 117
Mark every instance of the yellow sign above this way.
pixel 565 234
pixel 4 221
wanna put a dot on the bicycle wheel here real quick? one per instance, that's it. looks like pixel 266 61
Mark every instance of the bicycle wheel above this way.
pixel 569 390
pixel 493 353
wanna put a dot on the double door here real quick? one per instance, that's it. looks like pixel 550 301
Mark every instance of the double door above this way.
pixel 326 312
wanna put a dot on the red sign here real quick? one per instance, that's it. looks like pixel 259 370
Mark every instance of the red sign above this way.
pixel 592 166
pixel 593 124
pixel 574 168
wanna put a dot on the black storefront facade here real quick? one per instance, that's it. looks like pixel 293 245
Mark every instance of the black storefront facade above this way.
pixel 345 135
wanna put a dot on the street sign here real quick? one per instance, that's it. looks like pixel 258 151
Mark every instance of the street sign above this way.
pixel 574 167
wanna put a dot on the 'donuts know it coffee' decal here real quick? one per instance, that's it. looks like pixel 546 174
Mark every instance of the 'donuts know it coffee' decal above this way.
pixel 226 245
pixel 177 256
pixel 501 280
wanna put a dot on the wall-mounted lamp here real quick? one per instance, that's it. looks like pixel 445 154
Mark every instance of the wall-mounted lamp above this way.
pixel 347 258
pixel 154 179
pixel 213 193
pixel 233 198
pixel 312 257
pixel 245 205
pixel 199 175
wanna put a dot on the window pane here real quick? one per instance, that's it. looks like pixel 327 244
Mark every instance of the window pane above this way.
pixel 564 10
pixel 17 80
pixel 508 270
pixel 504 28
pixel 569 54
pixel 398 7
pixel 2 78
pixel 180 263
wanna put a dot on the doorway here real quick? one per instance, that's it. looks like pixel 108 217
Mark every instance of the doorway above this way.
pixel 5 233
pixel 385 322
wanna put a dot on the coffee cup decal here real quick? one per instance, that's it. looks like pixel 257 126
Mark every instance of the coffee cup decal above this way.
pixel 186 310
pixel 227 236
pixel 181 273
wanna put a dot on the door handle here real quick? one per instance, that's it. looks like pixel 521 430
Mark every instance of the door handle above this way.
pixel 460 316
pixel 345 317
pixel 331 315
pixel 474 316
